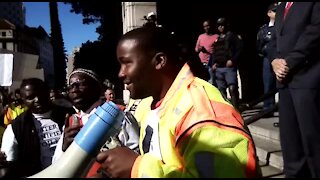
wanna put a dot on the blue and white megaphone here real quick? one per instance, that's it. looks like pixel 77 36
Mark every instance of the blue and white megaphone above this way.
pixel 104 123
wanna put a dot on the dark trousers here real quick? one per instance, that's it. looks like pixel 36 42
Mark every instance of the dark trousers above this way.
pixel 299 113
pixel 227 78
pixel 269 83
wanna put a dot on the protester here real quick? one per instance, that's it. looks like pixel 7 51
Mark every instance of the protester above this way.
pixel 227 50
pixel 204 47
pixel 29 142
pixel 191 130
pixel 109 94
pixel 84 89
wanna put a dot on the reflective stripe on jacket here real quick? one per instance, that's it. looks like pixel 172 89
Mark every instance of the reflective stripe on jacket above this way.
pixel 200 135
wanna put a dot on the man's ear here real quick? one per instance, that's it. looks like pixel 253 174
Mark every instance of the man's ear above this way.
pixel 160 60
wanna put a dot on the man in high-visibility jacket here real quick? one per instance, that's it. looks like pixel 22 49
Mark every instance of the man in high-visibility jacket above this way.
pixel 191 131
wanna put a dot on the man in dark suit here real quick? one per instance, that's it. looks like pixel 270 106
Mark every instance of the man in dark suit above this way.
pixel 296 63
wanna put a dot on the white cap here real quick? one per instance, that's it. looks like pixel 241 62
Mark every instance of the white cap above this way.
pixel 150 14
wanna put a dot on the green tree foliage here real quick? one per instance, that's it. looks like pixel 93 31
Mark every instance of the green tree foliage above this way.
pixel 93 55
pixel 59 55
pixel 109 16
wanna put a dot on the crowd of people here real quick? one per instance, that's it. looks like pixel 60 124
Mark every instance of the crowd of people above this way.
pixel 177 123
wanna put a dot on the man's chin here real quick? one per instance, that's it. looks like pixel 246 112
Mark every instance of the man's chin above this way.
pixel 77 101
pixel 137 96
pixel 133 95
pixel 78 105
pixel 38 110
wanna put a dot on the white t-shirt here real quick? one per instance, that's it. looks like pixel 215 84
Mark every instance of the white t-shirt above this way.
pixel 153 121
pixel 48 133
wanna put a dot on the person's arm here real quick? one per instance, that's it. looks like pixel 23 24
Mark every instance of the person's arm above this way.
pixel 307 42
pixel 70 129
pixel 237 46
pixel 279 65
pixel 9 148
pixel 206 152
pixel 197 48
pixel 259 43
pixel 9 144
pixel 272 46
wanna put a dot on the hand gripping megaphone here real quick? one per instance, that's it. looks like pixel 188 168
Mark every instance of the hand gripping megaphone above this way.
pixel 103 123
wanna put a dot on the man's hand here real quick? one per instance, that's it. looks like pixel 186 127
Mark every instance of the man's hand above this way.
pixel 280 68
pixel 229 63
pixel 69 134
pixel 214 66
pixel 117 162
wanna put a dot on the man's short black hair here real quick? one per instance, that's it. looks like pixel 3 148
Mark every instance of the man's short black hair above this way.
pixel 154 39
pixel 34 81
pixel 272 7
pixel 37 83
pixel 222 21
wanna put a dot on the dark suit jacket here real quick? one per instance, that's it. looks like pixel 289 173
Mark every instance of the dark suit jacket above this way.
pixel 297 39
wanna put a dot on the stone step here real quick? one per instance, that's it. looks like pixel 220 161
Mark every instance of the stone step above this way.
pixel 269 152
pixel 270 171
pixel 264 129
pixel 267 141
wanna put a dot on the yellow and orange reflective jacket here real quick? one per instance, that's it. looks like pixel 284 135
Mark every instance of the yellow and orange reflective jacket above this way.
pixel 140 108
pixel 12 112
pixel 200 135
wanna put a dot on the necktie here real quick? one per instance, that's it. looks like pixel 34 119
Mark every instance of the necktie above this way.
pixel 286 9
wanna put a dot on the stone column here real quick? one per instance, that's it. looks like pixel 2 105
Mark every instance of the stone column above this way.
pixel 133 12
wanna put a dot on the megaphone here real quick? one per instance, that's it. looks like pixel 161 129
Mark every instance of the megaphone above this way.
pixel 103 123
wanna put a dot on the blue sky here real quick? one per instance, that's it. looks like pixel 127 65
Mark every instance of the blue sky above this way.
pixel 73 31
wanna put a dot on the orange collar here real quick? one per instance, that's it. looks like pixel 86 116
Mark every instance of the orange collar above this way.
pixel 158 103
